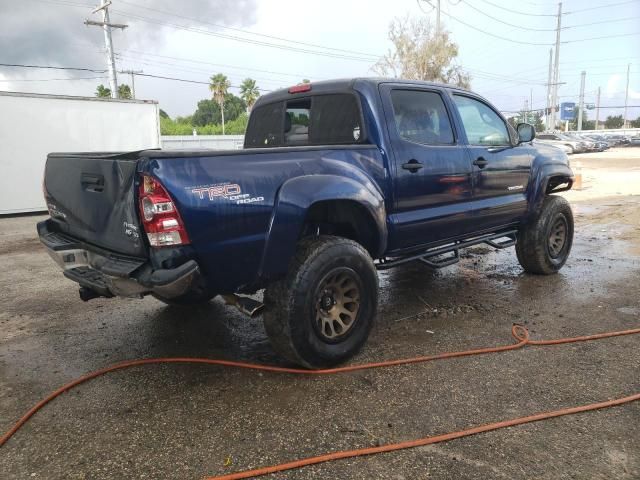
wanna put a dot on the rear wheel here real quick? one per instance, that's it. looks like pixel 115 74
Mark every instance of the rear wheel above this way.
pixel 322 312
pixel 545 243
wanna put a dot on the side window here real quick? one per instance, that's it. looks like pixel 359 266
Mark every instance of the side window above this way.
pixel 296 122
pixel 482 125
pixel 265 126
pixel 421 117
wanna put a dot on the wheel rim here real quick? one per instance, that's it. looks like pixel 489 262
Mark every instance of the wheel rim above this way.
pixel 557 237
pixel 337 303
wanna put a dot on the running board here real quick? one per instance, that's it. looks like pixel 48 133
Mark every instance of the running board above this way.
pixel 429 256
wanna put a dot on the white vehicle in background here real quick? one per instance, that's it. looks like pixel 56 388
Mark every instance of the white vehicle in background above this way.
pixel 565 148
pixel 590 145
pixel 567 145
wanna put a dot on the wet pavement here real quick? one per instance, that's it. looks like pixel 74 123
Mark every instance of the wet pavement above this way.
pixel 186 421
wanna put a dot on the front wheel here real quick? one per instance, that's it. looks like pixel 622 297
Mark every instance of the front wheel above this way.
pixel 322 312
pixel 544 244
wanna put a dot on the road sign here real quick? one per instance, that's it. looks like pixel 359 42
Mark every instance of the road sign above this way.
pixel 567 111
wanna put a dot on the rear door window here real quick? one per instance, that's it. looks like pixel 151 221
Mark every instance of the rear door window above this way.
pixel 421 117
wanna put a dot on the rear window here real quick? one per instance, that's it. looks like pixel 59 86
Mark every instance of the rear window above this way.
pixel 265 126
pixel 316 120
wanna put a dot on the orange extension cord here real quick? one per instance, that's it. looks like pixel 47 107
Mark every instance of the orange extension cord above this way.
pixel 520 333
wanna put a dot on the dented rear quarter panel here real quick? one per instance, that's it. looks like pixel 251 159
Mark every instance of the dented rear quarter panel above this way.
pixel 238 242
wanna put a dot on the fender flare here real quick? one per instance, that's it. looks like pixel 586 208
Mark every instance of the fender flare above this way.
pixel 293 201
pixel 540 180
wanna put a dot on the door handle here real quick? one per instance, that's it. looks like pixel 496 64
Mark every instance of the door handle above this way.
pixel 480 162
pixel 412 165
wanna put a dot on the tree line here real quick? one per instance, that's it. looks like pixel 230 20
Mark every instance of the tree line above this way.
pixel 223 114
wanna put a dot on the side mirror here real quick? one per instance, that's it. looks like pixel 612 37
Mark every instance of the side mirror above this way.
pixel 526 132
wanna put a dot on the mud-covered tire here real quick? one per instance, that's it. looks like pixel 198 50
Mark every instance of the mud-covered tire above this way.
pixel 297 321
pixel 545 242
pixel 191 298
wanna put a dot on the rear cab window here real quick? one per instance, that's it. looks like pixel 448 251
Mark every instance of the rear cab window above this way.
pixel 322 119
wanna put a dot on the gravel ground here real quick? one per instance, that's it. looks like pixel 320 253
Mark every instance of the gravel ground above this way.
pixel 185 422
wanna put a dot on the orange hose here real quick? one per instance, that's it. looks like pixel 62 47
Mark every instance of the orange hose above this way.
pixel 423 441
pixel 520 333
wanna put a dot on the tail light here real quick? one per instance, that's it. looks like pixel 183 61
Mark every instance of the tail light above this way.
pixel 160 218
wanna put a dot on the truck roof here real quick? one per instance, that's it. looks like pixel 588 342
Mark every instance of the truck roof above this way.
pixel 345 85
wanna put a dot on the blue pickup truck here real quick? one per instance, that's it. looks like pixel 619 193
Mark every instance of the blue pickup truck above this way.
pixel 337 180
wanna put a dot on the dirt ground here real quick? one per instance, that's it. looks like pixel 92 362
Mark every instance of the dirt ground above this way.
pixel 185 421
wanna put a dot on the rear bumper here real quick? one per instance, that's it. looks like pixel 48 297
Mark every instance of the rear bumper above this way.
pixel 109 274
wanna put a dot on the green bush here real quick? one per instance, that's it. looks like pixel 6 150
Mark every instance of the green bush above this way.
pixel 184 126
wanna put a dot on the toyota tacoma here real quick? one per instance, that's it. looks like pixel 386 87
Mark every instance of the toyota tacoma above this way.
pixel 336 180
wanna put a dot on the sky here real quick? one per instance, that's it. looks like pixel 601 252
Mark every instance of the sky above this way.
pixel 503 44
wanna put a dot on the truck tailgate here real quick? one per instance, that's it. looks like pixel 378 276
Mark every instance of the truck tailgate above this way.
pixel 92 197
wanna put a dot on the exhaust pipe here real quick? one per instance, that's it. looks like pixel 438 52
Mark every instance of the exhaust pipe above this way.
pixel 246 305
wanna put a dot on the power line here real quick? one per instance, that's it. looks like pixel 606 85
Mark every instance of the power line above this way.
pixel 493 34
pixel 518 12
pixel 507 23
pixel 51 79
pixel 93 70
pixel 249 32
pixel 191 60
pixel 602 38
pixel 371 57
pixel 600 22
pixel 186 80
pixel 160 64
pixel 244 40
pixel 599 6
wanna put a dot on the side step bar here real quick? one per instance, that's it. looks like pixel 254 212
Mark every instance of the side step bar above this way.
pixel 429 256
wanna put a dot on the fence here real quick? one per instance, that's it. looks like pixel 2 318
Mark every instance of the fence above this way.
pixel 214 142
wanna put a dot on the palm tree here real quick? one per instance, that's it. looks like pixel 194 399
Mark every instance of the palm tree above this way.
pixel 249 92
pixel 219 87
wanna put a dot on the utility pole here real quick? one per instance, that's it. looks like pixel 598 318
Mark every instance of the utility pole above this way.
pixel 556 76
pixel 597 108
pixel 626 98
pixel 531 105
pixel 438 18
pixel 133 80
pixel 547 112
pixel 106 27
pixel 581 102
pixel 526 111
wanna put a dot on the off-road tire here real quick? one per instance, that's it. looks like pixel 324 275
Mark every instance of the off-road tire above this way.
pixel 291 304
pixel 533 247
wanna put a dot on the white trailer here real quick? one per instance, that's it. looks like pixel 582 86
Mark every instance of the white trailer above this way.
pixel 32 125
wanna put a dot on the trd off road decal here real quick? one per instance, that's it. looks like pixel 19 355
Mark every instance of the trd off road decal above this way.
pixel 228 191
